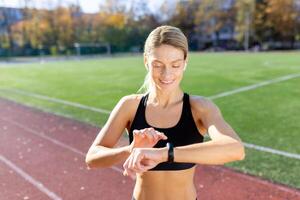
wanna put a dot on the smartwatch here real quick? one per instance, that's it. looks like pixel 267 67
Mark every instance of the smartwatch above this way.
pixel 170 152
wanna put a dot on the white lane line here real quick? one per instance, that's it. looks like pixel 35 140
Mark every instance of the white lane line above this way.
pixel 30 179
pixel 248 145
pixel 104 111
pixel 52 99
pixel 254 86
pixel 272 151
pixel 61 144
pixel 268 150
pixel 265 182
pixel 220 95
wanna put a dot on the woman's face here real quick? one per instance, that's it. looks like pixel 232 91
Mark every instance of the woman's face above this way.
pixel 166 65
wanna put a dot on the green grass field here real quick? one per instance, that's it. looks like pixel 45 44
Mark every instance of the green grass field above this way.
pixel 266 116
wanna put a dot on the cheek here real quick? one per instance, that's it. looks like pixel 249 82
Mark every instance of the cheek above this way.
pixel 178 74
pixel 155 73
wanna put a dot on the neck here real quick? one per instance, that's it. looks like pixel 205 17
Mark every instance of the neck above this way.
pixel 164 98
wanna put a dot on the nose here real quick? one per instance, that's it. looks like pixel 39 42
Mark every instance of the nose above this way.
pixel 166 71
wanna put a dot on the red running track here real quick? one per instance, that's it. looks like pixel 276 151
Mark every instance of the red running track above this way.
pixel 42 157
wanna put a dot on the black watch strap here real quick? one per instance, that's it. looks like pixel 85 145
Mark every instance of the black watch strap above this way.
pixel 170 152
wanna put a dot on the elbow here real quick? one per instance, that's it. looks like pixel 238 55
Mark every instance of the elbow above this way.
pixel 240 152
pixel 89 162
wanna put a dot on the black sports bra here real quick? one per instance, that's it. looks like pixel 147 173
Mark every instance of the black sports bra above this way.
pixel 185 132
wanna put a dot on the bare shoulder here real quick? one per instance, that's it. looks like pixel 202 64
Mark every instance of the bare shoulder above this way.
pixel 126 106
pixel 131 100
pixel 202 105
pixel 131 103
pixel 131 97
pixel 119 119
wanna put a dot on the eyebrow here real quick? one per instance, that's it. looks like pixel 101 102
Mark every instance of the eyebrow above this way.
pixel 171 62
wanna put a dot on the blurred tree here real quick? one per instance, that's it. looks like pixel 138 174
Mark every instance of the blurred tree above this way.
pixel 65 31
pixel 125 25
pixel 6 36
pixel 111 24
pixel 34 28
pixel 281 17
pixel 185 18
pixel 244 24
pixel 276 20
pixel 140 21
pixel 261 33
pixel 212 16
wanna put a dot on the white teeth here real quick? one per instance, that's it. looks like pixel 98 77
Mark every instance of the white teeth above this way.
pixel 167 82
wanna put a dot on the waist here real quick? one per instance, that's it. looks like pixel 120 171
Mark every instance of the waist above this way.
pixel 165 185
pixel 159 176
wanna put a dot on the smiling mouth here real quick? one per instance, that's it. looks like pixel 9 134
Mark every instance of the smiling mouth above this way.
pixel 166 82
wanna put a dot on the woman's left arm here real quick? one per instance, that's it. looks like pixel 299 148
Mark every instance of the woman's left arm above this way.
pixel 225 145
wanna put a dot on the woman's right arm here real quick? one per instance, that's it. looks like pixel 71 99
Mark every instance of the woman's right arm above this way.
pixel 101 153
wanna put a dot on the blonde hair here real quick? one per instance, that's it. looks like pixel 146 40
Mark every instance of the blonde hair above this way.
pixel 169 35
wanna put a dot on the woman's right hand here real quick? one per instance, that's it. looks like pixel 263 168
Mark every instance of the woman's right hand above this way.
pixel 147 137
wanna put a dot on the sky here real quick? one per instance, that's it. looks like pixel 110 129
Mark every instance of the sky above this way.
pixel 88 6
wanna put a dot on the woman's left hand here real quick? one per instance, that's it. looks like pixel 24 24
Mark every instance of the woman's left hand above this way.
pixel 143 159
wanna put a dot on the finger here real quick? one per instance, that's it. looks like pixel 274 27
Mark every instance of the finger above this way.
pixel 161 135
pixel 128 171
pixel 136 132
pixel 130 159
pixel 151 136
pixel 125 173
pixel 125 166
pixel 134 162
pixel 133 159
pixel 150 129
pixel 137 162
pixel 155 136
pixel 147 135
pixel 142 134
pixel 126 163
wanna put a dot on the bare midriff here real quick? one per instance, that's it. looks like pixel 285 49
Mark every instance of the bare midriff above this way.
pixel 165 185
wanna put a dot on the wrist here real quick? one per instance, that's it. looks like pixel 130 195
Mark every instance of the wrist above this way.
pixel 164 154
pixel 170 147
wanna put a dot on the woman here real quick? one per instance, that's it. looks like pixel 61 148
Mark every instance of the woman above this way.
pixel 165 126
